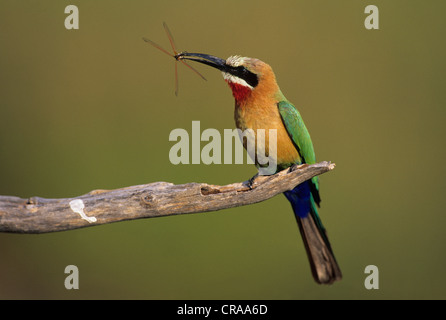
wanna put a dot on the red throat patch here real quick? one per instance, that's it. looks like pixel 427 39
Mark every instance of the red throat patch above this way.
pixel 239 91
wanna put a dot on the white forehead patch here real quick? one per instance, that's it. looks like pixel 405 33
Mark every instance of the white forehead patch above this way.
pixel 236 61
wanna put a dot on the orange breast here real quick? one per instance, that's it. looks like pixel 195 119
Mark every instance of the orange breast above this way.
pixel 267 117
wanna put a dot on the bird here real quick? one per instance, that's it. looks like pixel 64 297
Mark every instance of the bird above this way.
pixel 260 104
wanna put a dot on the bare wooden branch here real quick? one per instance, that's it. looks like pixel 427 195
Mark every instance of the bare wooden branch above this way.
pixel 39 215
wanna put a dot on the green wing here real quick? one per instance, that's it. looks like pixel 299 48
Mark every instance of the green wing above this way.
pixel 298 132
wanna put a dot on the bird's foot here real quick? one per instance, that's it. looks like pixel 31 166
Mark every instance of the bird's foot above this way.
pixel 251 181
pixel 296 166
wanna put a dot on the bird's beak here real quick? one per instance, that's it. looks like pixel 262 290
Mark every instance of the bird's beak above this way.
pixel 212 61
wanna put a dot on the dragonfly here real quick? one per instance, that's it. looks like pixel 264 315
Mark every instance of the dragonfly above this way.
pixel 176 55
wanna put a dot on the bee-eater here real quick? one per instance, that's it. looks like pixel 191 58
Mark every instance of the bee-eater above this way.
pixel 259 104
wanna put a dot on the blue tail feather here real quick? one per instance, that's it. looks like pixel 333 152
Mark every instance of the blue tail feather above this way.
pixel 302 201
pixel 300 198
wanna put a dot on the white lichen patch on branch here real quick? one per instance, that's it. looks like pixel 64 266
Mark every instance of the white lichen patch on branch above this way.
pixel 77 205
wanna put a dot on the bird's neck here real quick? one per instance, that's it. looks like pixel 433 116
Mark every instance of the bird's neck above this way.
pixel 267 91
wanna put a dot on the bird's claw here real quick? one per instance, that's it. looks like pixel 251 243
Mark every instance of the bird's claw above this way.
pixel 251 181
pixel 296 166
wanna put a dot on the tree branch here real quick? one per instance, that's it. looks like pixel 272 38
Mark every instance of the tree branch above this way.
pixel 39 215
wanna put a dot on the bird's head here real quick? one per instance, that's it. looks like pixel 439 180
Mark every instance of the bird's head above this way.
pixel 246 77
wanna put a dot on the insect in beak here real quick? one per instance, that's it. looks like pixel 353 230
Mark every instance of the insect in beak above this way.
pixel 177 56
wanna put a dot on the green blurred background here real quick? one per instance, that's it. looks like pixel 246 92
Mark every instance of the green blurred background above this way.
pixel 93 108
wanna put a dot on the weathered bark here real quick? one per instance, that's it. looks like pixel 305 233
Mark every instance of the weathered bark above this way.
pixel 39 215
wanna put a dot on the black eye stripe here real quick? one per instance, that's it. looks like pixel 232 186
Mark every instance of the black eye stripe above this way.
pixel 245 74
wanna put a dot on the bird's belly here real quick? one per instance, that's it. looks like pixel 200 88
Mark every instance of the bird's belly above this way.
pixel 286 151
